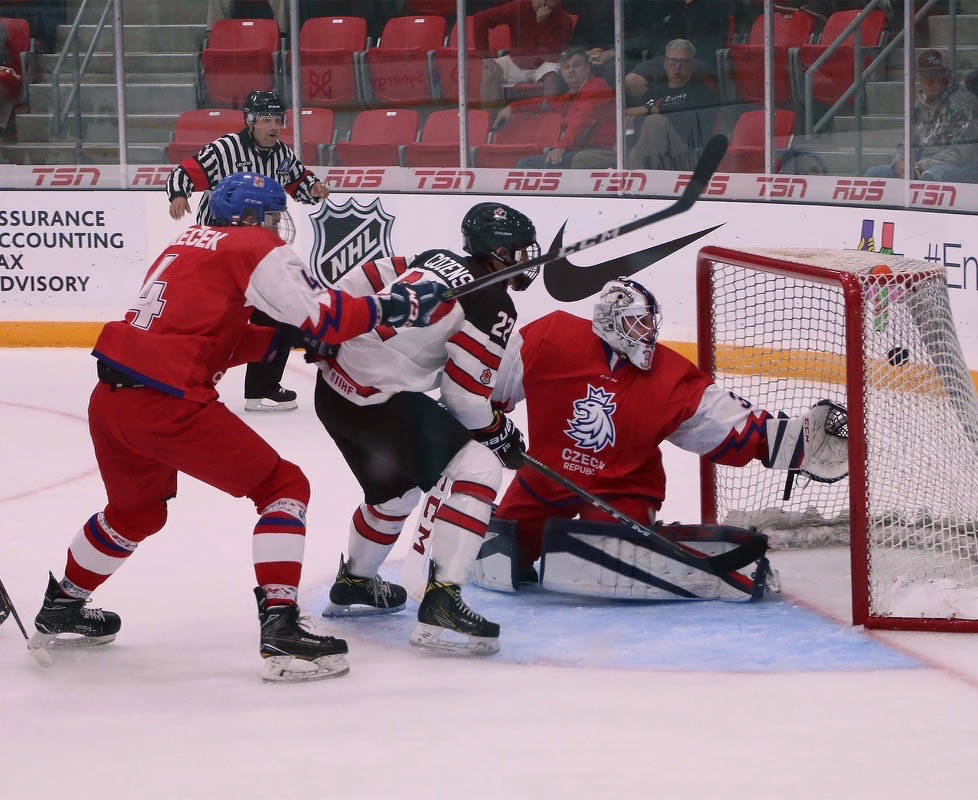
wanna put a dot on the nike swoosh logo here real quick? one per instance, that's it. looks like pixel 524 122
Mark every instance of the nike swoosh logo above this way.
pixel 568 282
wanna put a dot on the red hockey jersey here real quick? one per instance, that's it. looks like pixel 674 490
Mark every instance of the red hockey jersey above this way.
pixel 190 322
pixel 599 420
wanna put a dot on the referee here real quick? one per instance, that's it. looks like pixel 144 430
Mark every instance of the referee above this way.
pixel 256 148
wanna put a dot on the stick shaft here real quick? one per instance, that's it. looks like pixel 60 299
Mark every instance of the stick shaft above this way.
pixel 705 167
pixel 8 603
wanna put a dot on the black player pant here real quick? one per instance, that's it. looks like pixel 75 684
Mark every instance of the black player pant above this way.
pixel 263 379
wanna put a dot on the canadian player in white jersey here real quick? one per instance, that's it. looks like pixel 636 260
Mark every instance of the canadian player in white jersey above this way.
pixel 155 412
pixel 399 442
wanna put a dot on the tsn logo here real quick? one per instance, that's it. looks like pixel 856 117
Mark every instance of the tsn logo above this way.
pixel 859 190
pixel 933 194
pixel 531 181
pixel 445 179
pixel 781 186
pixel 66 176
pixel 619 181
pixel 717 186
pixel 354 178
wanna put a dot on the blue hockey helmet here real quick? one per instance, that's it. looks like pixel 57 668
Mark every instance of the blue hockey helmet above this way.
pixel 245 197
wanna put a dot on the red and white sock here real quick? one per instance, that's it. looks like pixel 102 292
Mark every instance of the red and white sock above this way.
pixel 93 555
pixel 277 546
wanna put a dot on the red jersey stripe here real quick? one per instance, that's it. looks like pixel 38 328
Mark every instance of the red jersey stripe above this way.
pixel 363 391
pixel 198 177
pixel 466 381
pixel 400 264
pixel 372 271
pixel 472 347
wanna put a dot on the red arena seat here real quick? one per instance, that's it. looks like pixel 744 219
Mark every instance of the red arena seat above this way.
pixel 202 126
pixel 239 58
pixel 317 134
pixel 376 136
pixel 440 139
pixel 328 48
pixel 746 150
pixel 524 135
pixel 397 69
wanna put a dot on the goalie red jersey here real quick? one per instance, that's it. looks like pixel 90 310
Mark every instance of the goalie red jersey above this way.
pixel 190 321
pixel 599 420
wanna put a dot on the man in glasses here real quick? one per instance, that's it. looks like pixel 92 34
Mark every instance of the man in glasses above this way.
pixel 257 148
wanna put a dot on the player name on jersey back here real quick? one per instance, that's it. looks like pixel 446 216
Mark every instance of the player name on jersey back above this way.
pixel 447 267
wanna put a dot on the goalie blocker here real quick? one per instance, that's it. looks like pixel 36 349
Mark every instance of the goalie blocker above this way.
pixel 605 559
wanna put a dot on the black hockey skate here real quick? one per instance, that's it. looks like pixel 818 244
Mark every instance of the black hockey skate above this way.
pixel 65 622
pixel 291 651
pixel 446 623
pixel 278 399
pixel 351 595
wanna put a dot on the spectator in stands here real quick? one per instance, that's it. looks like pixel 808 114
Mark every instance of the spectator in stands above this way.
pixel 673 119
pixel 539 30
pixel 595 31
pixel 705 23
pixel 945 135
pixel 11 80
pixel 587 108
pixel 256 148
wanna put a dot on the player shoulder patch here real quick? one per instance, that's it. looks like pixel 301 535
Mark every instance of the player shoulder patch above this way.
pixel 347 236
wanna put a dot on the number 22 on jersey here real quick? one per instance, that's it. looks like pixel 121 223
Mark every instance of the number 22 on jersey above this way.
pixel 151 302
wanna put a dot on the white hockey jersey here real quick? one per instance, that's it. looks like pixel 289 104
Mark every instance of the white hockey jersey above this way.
pixel 458 354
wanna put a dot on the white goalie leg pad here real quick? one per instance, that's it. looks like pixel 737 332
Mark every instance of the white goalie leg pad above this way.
pixel 374 530
pixel 497 564
pixel 460 521
pixel 599 559
pixel 815 443
pixel 414 571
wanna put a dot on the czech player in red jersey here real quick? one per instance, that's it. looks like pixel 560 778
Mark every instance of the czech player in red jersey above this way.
pixel 155 412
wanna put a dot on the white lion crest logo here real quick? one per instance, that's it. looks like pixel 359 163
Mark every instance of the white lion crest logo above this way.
pixel 592 427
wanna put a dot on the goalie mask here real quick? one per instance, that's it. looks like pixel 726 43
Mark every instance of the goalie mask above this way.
pixel 627 318
pixel 488 228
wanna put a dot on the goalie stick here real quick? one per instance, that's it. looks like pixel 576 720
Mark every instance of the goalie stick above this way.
pixel 705 167
pixel 734 559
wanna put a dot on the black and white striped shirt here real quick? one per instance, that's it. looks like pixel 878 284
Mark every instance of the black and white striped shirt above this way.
pixel 237 152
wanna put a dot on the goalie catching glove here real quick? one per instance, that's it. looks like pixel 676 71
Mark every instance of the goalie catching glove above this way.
pixel 815 444
pixel 504 439
pixel 411 304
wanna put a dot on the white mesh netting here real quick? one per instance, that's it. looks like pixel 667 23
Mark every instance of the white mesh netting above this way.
pixel 779 339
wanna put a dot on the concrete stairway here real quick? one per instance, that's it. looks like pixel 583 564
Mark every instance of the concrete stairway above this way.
pixel 882 118
pixel 162 40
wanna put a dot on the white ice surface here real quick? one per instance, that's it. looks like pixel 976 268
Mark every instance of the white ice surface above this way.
pixel 175 709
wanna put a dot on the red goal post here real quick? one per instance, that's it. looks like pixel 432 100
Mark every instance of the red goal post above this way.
pixel 784 328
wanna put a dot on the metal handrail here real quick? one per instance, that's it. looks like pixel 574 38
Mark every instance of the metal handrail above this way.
pixel 860 76
pixel 73 101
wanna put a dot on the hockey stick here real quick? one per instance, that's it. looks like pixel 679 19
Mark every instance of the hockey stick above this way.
pixel 721 564
pixel 7 607
pixel 705 167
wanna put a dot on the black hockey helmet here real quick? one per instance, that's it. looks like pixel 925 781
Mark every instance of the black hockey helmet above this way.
pixel 487 227
pixel 263 104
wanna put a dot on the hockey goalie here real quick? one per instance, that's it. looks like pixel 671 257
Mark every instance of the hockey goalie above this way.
pixel 601 396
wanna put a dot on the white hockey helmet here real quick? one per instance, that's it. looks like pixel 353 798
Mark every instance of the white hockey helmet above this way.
pixel 627 318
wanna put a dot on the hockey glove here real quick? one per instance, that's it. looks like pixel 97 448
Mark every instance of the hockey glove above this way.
pixel 289 336
pixel 411 304
pixel 816 443
pixel 504 439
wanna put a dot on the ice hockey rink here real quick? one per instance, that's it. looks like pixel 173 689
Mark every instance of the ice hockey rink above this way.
pixel 588 699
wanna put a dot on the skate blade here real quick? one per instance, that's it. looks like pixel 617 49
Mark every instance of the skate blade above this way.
pixel 333 610
pixel 271 405
pixel 41 645
pixel 433 637
pixel 288 669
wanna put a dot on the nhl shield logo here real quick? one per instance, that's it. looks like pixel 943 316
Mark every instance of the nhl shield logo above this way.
pixel 347 236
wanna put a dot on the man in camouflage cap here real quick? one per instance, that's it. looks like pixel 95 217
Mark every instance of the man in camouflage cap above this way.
pixel 945 129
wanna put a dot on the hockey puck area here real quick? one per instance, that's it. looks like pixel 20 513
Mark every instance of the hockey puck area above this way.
pixel 897 355
pixel 540 627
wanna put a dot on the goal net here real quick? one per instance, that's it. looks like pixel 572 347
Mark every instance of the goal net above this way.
pixel 785 328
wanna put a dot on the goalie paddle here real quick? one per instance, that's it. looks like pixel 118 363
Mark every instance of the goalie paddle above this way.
pixel 735 559
pixel 705 167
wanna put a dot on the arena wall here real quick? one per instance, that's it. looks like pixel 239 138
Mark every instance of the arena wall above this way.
pixel 72 259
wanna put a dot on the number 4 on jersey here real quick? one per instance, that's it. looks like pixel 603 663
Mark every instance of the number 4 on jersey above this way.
pixel 151 303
